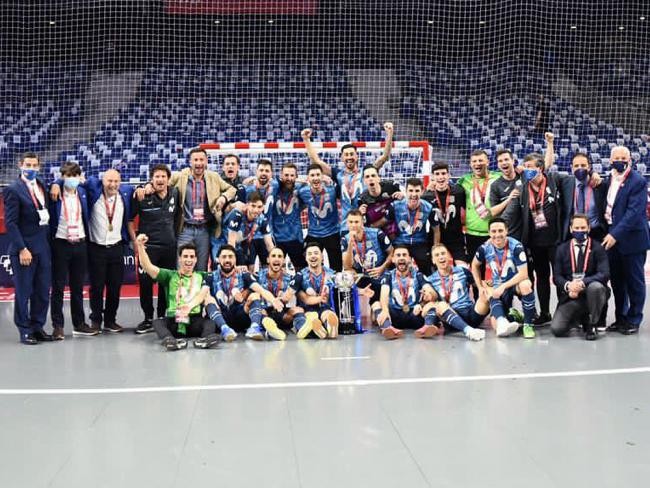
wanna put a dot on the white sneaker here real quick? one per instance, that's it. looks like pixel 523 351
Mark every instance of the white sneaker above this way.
pixel 504 330
pixel 475 334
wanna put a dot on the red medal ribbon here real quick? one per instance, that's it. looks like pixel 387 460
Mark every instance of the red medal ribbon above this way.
pixel 404 291
pixel 443 283
pixel 37 202
pixel 250 231
pixel 322 201
pixel 349 185
pixel 197 202
pixel 500 263
pixel 361 255
pixel 587 199
pixel 415 218
pixel 232 279
pixel 444 209
pixel 110 213
pixel 278 284
pixel 532 200
pixel 573 257
pixel 482 191
pixel 322 281
pixel 65 210
pixel 285 206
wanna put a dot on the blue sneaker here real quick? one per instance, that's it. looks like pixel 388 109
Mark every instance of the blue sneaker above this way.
pixel 255 332
pixel 227 334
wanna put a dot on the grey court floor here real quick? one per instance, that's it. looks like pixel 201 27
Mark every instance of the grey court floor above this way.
pixel 116 411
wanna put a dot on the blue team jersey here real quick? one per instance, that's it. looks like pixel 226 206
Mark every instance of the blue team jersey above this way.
pixel 370 253
pixel 245 231
pixel 222 288
pixel 322 210
pixel 313 284
pixel 413 226
pixel 276 286
pixel 286 222
pixel 350 189
pixel 456 286
pixel 493 257
pixel 413 282
pixel 267 194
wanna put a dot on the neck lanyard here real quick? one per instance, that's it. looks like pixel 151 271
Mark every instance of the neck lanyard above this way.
pixel 443 282
pixel 587 201
pixel 482 191
pixel 500 263
pixel 110 213
pixel 37 202
pixel 361 255
pixel 573 256
pixel 322 199
pixel 65 210
pixel 250 230
pixel 322 281
pixel 186 297
pixel 404 290
pixel 284 206
pixel 444 209
pixel 231 283
pixel 277 289
pixel 197 202
pixel 532 200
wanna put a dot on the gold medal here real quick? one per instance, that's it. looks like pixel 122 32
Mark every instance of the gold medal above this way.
pixel 406 309
pixel 110 227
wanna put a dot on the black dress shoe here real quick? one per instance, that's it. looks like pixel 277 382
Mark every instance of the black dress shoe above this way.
pixel 42 336
pixel 615 326
pixel 590 335
pixel 628 329
pixel 543 319
pixel 28 339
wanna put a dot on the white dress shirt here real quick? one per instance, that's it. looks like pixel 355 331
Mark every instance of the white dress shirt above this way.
pixel 99 232
pixel 75 217
pixel 614 186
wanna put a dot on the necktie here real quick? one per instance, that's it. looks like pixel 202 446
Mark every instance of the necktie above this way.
pixel 581 198
pixel 581 258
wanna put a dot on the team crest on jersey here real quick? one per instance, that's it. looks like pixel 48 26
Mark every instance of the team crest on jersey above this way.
pixel 279 206
pixel 321 214
pixel 406 228
pixel 399 299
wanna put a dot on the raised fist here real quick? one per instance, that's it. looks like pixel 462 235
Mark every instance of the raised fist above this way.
pixel 388 127
pixel 306 134
pixel 142 239
pixel 549 137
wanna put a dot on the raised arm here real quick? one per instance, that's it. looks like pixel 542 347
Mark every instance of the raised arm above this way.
pixel 388 127
pixel 549 155
pixel 313 155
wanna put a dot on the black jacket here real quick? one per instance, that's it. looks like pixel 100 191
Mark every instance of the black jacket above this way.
pixel 597 267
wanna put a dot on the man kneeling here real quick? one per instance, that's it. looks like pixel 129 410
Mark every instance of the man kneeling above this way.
pixel 186 291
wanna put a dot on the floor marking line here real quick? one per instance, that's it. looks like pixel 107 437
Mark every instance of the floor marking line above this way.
pixel 312 384
pixel 341 358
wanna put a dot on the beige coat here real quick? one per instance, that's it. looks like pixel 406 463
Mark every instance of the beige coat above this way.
pixel 214 187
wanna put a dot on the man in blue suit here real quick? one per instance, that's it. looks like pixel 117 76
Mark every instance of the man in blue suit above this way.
pixel 69 229
pixel 627 241
pixel 27 221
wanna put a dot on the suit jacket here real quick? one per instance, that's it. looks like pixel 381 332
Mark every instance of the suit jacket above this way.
pixel 55 210
pixel 95 187
pixel 600 199
pixel 597 267
pixel 215 186
pixel 517 212
pixel 22 220
pixel 629 220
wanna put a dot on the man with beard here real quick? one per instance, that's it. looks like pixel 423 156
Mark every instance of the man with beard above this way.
pixel 448 200
pixel 348 180
pixel 266 186
pixel 375 200
pixel 323 214
pixel 235 301
pixel 399 304
pixel 186 291
pixel 505 258
pixel 286 223
pixel 451 298
pixel 543 222
pixel 239 228
pixel 589 195
pixel 477 203
pixel 314 285
pixel 230 174
pixel 277 281
pixel 366 251
pixel 158 215
pixel 415 221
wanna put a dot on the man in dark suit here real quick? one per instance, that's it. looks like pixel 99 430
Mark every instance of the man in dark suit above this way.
pixel 589 196
pixel 580 271
pixel 27 221
pixel 628 239
pixel 69 229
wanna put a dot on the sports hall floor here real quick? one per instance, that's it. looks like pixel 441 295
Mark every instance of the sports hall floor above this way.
pixel 116 411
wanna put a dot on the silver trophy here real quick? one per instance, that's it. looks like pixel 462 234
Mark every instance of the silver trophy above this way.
pixel 344 298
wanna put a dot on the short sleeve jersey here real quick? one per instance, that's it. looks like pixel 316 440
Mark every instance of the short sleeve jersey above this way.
pixel 413 226
pixel 277 286
pixel 502 268
pixel 222 287
pixel 404 290
pixel 267 194
pixel 454 289
pixel 350 189
pixel 477 191
pixel 369 252
pixel 322 210
pixel 286 222
pixel 313 284
pixel 245 230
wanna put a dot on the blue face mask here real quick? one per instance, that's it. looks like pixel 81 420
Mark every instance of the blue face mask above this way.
pixel 29 173
pixel 579 236
pixel 582 174
pixel 71 183
pixel 619 166
pixel 530 174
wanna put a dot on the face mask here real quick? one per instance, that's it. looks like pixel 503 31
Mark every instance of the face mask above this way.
pixel 71 183
pixel 29 173
pixel 579 236
pixel 582 174
pixel 530 174
pixel 619 166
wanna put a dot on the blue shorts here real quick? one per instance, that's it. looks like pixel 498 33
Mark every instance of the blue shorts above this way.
pixel 405 320
pixel 236 317
pixel 471 316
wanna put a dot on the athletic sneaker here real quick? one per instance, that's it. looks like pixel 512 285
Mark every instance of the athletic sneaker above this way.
pixel 504 330
pixel 319 330
pixel 144 327
pixel 310 318
pixel 474 334
pixel 172 344
pixel 272 329
pixel 255 332
pixel 227 334
pixel 426 331
pixel 516 315
pixel 529 332
pixel 332 324
pixel 207 342
pixel 84 330
pixel 391 333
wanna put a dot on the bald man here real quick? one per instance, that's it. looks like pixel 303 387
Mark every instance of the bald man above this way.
pixel 627 240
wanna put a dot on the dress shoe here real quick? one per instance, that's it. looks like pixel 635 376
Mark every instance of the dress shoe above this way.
pixel 97 326
pixel 57 334
pixel 113 328
pixel 42 336
pixel 84 330
pixel 543 318
pixel 628 329
pixel 590 335
pixel 28 339
pixel 614 327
